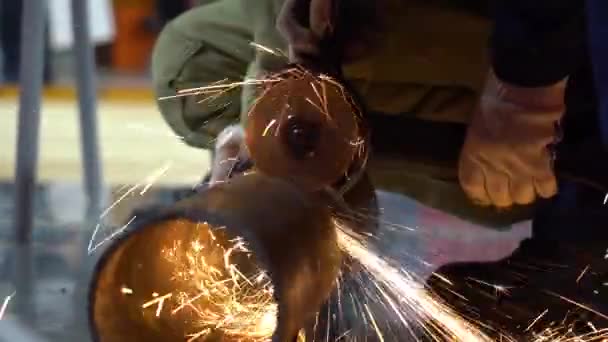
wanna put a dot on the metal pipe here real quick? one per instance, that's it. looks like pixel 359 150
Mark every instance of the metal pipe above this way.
pixel 32 52
pixel 31 78
pixel 87 102
pixel 289 233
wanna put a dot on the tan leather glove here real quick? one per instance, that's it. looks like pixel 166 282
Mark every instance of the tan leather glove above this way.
pixel 506 158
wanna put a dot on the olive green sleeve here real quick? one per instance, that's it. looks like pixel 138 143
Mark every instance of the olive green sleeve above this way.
pixel 206 45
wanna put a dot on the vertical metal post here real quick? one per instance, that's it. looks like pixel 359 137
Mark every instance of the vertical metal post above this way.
pixel 87 101
pixel 31 70
pixel 31 78
pixel 2 44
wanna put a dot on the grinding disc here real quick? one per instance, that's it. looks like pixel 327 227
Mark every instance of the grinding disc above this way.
pixel 304 128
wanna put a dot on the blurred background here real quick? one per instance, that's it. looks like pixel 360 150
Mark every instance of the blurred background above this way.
pixel 43 281
pixel 49 303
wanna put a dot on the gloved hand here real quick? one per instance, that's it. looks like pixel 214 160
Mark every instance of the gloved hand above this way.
pixel 506 157
pixel 348 28
pixel 304 39
pixel 231 154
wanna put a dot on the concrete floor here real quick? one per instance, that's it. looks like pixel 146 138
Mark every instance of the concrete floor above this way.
pixel 135 143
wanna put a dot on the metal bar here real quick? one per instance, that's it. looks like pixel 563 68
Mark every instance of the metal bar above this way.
pixel 31 70
pixel 87 101
pixel 31 78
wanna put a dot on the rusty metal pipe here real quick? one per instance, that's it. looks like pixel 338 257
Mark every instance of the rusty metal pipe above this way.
pixel 290 233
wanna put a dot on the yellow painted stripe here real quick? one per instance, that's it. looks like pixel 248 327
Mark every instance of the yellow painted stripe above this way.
pixel 129 94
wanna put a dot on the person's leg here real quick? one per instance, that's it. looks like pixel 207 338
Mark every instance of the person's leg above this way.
pixel 48 55
pixel 169 9
pixel 10 28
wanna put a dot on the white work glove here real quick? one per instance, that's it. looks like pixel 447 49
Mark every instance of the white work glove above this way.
pixel 230 150
pixel 506 157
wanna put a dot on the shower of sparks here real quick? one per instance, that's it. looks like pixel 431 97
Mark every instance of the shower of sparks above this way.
pixel 159 301
pixel 582 306
pixel 154 177
pixel 5 305
pixel 319 85
pixel 406 300
pixel 215 89
pixel 268 50
pixel 272 123
pixel 566 334
pixel 498 289
pixel 120 199
pixel 126 290
pixel 435 317
pixel 375 325
pixel 578 279
pixel 537 319
pixel 145 185
pixel 149 180
pixel 220 295
pixel 216 295
pixel 92 248
pixel 218 88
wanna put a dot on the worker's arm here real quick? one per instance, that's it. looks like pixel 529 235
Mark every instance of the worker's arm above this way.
pixel 536 45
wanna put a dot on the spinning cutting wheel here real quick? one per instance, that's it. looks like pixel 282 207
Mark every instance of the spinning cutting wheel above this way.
pixel 305 128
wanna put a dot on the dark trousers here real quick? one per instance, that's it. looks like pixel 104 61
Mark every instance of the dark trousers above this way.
pixel 169 9
pixel 597 13
pixel 10 40
pixel 577 216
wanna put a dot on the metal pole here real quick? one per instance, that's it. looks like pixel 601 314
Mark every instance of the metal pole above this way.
pixel 31 69
pixel 31 77
pixel 87 101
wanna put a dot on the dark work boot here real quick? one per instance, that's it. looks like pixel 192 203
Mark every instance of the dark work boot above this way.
pixel 554 285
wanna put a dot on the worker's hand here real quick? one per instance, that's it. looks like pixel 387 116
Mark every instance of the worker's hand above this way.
pixel 304 39
pixel 506 158
pixel 230 154
pixel 353 27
